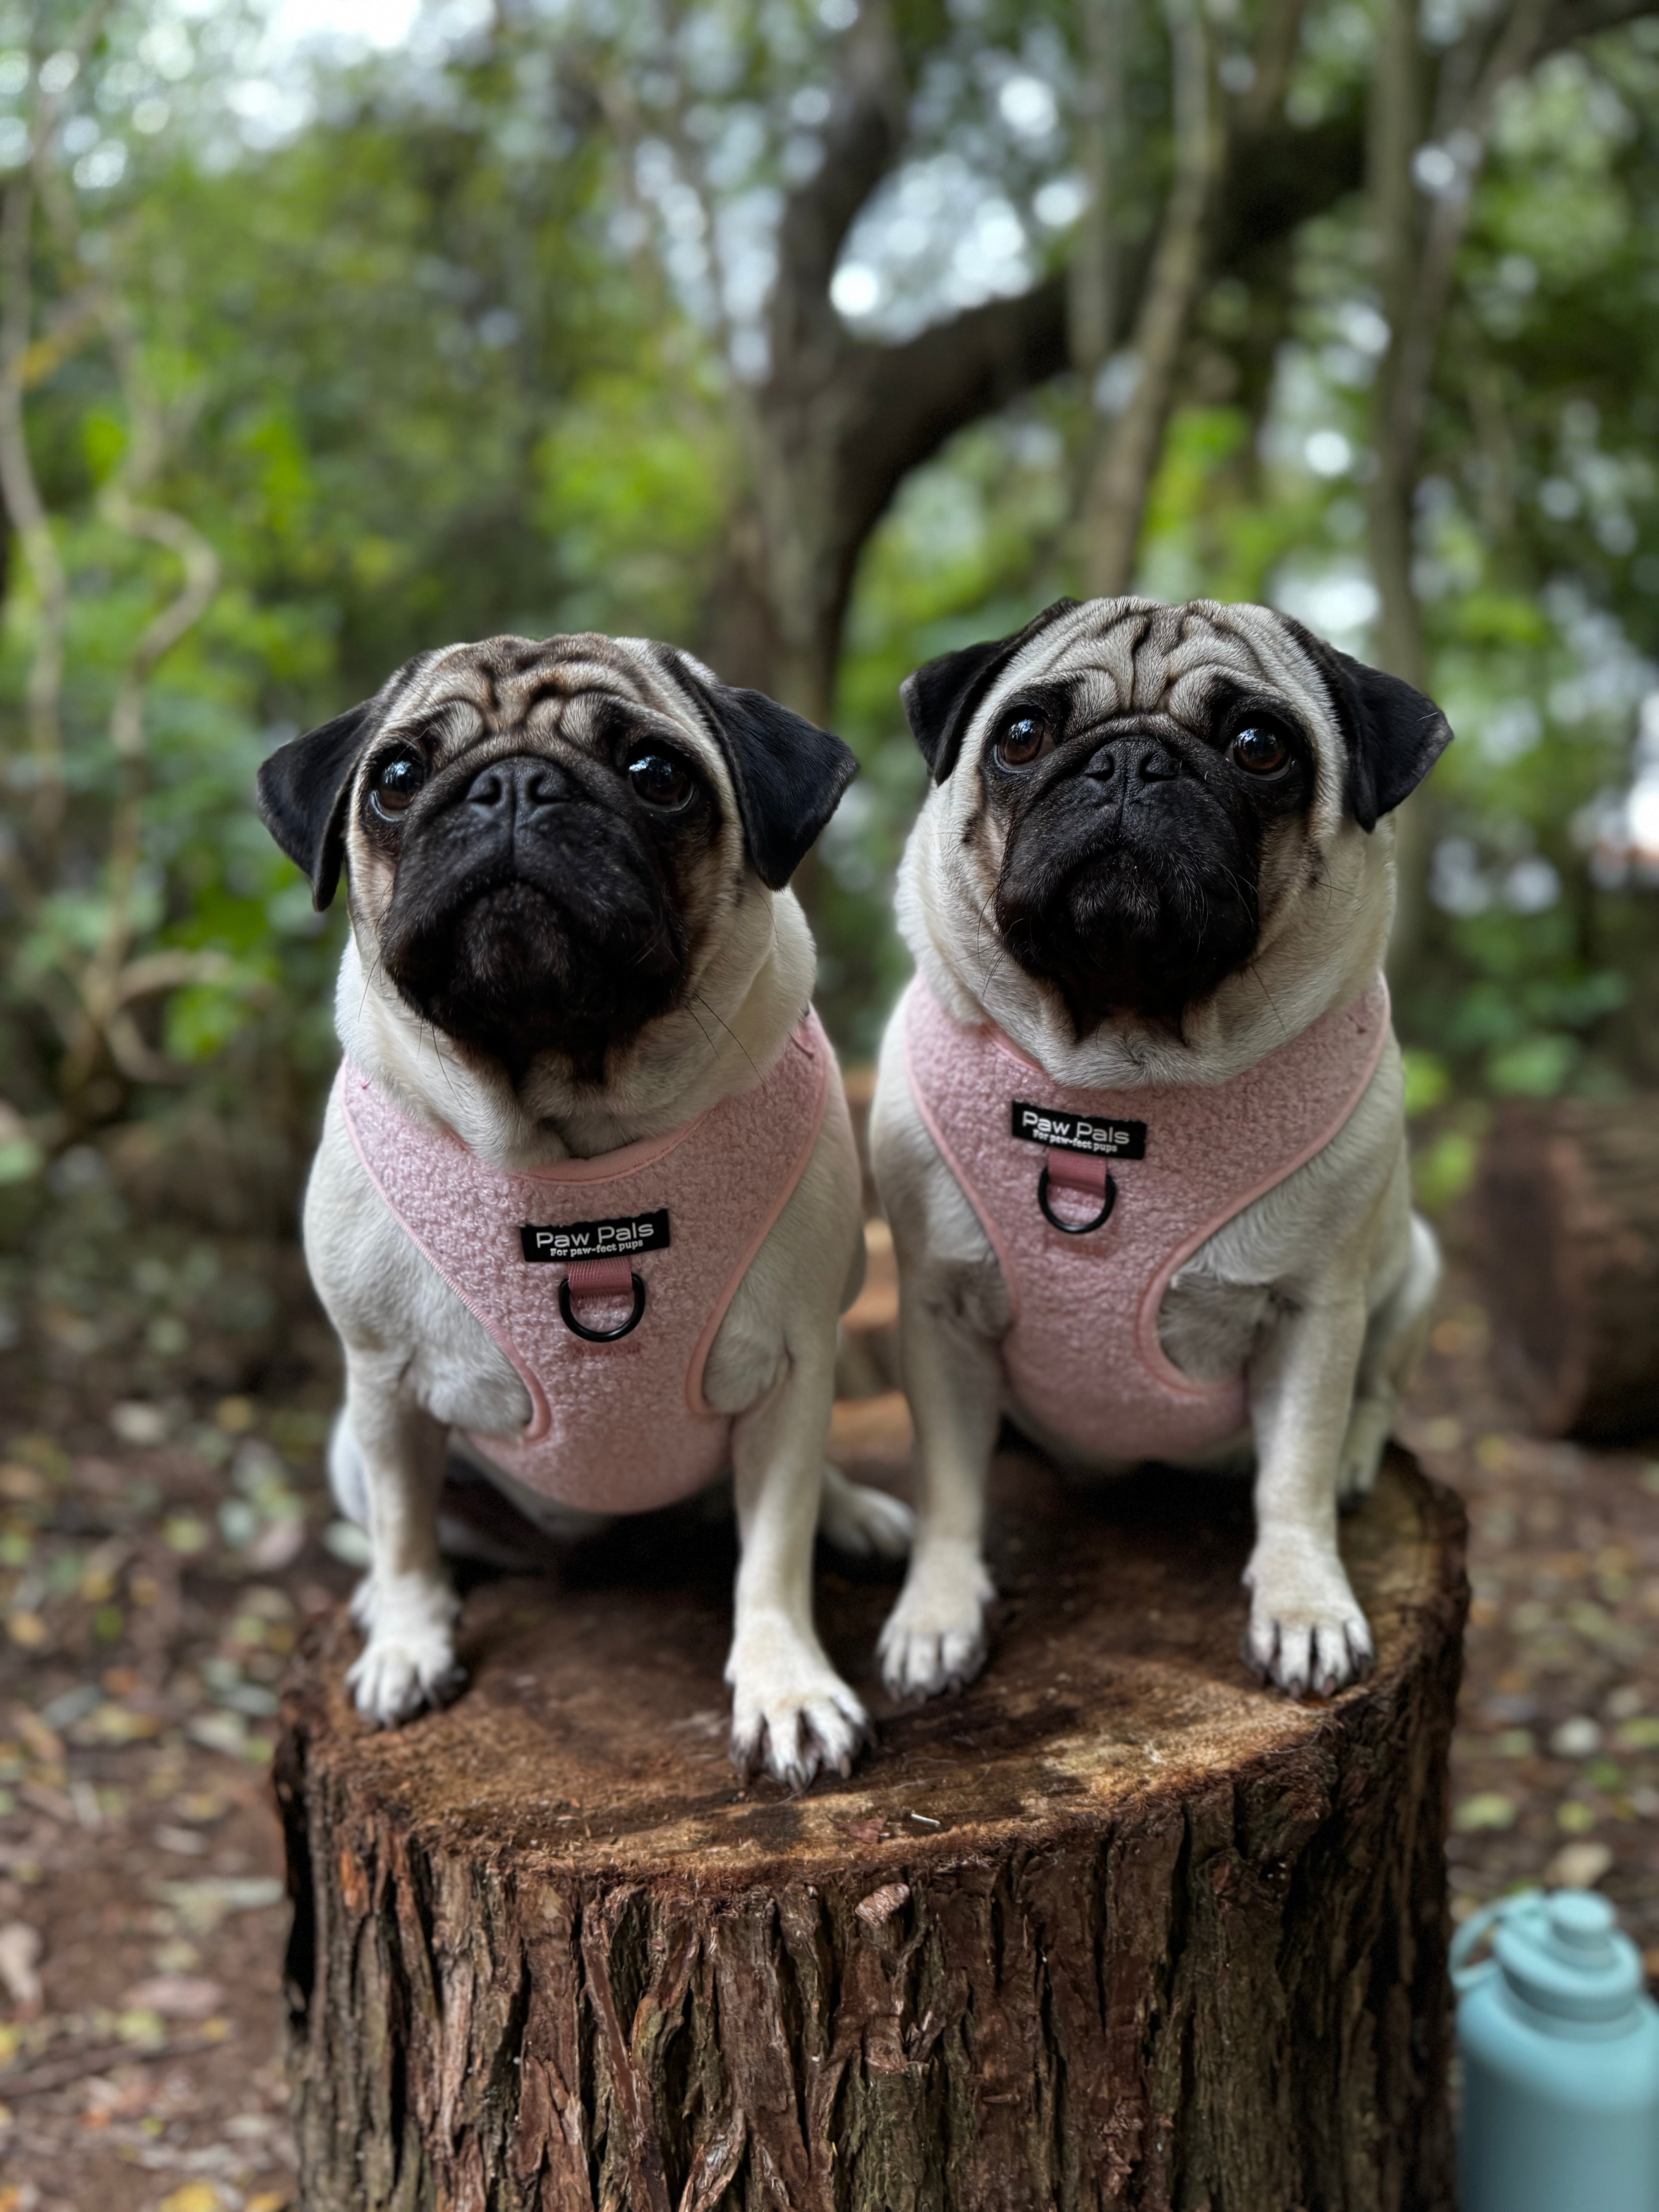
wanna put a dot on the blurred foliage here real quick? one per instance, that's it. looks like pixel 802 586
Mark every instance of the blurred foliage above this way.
pixel 1538 562
pixel 428 353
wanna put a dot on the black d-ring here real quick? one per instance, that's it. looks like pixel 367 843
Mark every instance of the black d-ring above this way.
pixel 600 1335
pixel 1073 1228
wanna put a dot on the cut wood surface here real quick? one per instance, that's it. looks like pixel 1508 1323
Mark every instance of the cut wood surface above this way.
pixel 1568 1220
pixel 1114 1927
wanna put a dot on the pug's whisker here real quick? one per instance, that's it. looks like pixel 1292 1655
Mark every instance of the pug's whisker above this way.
pixel 712 1048
pixel 730 1031
pixel 995 970
pixel 1254 973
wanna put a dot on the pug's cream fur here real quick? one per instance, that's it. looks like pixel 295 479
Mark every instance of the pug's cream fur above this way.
pixel 418 1363
pixel 1321 1289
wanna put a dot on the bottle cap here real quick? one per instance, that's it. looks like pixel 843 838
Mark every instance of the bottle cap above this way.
pixel 1563 1955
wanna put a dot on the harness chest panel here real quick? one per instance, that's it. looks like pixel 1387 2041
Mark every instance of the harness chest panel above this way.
pixel 1091 1201
pixel 604 1281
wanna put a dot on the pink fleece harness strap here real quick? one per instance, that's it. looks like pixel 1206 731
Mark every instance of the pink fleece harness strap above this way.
pixel 1092 1199
pixel 604 1281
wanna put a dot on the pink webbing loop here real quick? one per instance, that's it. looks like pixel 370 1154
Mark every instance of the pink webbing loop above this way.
pixel 600 1279
pixel 1077 1170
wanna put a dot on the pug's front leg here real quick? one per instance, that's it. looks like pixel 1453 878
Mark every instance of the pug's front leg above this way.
pixel 1306 1631
pixel 406 1605
pixel 934 1637
pixel 791 1713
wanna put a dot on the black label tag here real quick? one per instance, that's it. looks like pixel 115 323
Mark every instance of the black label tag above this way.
pixel 1080 1132
pixel 598 1240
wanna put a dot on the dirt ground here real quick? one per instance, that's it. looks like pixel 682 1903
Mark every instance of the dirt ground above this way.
pixel 163 1539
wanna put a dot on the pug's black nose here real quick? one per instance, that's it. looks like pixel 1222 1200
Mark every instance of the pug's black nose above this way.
pixel 1157 764
pixel 515 789
pixel 1145 760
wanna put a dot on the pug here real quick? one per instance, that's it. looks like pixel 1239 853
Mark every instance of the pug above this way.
pixel 587 1205
pixel 1138 1125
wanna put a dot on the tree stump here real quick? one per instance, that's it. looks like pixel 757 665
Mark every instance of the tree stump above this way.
pixel 1568 1213
pixel 1114 1927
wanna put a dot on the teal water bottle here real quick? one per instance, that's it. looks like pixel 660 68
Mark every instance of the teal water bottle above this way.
pixel 1560 2050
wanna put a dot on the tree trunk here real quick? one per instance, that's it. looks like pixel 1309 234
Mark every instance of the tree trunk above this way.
pixel 1569 1216
pixel 1112 1928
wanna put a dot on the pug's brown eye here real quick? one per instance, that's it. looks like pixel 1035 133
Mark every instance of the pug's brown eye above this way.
pixel 1024 743
pixel 1259 750
pixel 660 780
pixel 396 783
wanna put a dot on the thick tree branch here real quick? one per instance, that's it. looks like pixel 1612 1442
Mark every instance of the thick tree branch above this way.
pixel 1128 453
pixel 27 511
pixel 776 610
pixel 863 138
pixel 1277 32
pixel 104 984
pixel 1276 179
pixel 1399 91
pixel 1569 21
pixel 1416 256
pixel 1510 54
pixel 1093 271
pixel 910 399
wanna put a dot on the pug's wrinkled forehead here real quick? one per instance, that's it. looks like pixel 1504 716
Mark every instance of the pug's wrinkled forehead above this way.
pixel 520 688
pixel 1111 659
pixel 1145 658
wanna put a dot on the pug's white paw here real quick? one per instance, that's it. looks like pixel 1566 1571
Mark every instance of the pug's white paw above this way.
pixel 863 1521
pixel 934 1637
pixel 792 1717
pixel 1306 1631
pixel 408 1662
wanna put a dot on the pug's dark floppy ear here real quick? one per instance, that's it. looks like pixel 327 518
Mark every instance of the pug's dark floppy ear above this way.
pixel 302 788
pixel 788 773
pixel 1395 734
pixel 942 696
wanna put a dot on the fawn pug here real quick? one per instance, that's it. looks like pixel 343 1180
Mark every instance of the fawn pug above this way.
pixel 1139 1126
pixel 586 1200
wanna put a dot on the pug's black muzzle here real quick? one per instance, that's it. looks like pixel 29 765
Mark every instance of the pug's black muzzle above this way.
pixel 530 914
pixel 1131 880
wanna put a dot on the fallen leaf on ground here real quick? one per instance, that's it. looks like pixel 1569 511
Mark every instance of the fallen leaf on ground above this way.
pixel 1579 1866
pixel 176 1997
pixel 1487 1810
pixel 279 1545
pixel 186 1841
pixel 194 2196
pixel 43 1743
pixel 19 1958
pixel 203 1904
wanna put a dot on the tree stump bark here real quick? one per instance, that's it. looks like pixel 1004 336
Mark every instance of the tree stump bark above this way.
pixel 1113 1928
pixel 1568 1210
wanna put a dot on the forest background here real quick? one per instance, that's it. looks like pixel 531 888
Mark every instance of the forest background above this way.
pixel 821 339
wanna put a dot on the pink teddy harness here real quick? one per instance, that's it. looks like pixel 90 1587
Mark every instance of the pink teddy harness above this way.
pixel 1093 1199
pixel 604 1281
